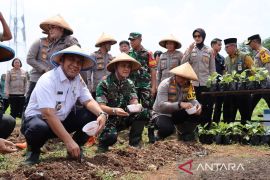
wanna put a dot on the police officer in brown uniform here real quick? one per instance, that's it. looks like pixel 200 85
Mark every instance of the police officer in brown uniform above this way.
pixel 95 75
pixel 262 59
pixel 202 61
pixel 170 59
pixel 60 34
pixel 38 59
pixel 238 61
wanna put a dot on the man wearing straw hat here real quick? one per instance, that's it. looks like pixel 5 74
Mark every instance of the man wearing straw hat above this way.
pixel 60 34
pixel 114 94
pixel 145 78
pixel 169 59
pixel 51 111
pixel 7 122
pixel 95 75
pixel 175 95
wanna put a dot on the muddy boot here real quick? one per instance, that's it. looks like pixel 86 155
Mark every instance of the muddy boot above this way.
pixel 151 135
pixel 32 157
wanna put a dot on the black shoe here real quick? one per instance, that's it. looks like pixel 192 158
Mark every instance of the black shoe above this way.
pixel 151 135
pixel 32 157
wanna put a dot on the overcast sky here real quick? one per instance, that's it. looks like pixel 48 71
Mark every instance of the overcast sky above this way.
pixel 153 18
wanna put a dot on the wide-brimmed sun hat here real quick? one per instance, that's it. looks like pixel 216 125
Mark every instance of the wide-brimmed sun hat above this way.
pixel 105 38
pixel 6 53
pixel 57 20
pixel 123 57
pixel 88 60
pixel 185 70
pixel 170 37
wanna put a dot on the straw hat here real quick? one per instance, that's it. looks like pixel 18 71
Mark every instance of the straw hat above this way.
pixel 6 53
pixel 162 43
pixel 89 61
pixel 123 57
pixel 105 38
pixel 185 70
pixel 57 21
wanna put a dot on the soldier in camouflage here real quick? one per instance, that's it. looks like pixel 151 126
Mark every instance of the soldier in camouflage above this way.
pixel 114 94
pixel 144 78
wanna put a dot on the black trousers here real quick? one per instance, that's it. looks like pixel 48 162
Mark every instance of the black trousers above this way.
pixel 218 109
pixel 37 131
pixel 206 102
pixel 109 135
pixel 31 87
pixel 7 125
pixel 232 103
pixel 16 102
pixel 186 124
pixel 5 105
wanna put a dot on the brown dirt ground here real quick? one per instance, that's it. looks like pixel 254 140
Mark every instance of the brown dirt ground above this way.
pixel 157 161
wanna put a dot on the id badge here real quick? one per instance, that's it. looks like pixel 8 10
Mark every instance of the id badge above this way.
pixel 239 67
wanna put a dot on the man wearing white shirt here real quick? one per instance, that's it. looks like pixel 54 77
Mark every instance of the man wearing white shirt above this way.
pixel 51 111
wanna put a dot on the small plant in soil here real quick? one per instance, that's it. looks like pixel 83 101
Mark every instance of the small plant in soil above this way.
pixel 212 81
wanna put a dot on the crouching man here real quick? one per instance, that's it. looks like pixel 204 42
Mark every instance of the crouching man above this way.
pixel 114 94
pixel 51 111
pixel 175 95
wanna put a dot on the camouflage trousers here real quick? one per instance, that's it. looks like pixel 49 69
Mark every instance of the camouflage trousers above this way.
pixel 115 124
pixel 147 101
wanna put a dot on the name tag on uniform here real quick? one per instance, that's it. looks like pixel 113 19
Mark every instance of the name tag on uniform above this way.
pixel 60 92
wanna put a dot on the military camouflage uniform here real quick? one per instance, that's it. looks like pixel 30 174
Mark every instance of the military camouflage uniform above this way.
pixel 95 75
pixel 142 81
pixel 142 78
pixel 115 93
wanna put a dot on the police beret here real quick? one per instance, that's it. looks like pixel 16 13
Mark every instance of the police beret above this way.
pixel 256 36
pixel 230 41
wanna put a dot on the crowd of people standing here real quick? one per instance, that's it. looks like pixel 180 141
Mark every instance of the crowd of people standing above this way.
pixel 68 88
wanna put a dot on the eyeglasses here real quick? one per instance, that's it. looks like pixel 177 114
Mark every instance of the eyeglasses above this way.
pixel 196 36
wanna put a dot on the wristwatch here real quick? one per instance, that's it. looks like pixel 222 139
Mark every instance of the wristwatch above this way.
pixel 103 113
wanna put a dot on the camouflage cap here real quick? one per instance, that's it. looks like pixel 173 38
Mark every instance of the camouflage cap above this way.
pixel 134 35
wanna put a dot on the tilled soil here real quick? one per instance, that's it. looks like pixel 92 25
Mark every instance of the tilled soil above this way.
pixel 119 162
pixel 224 163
